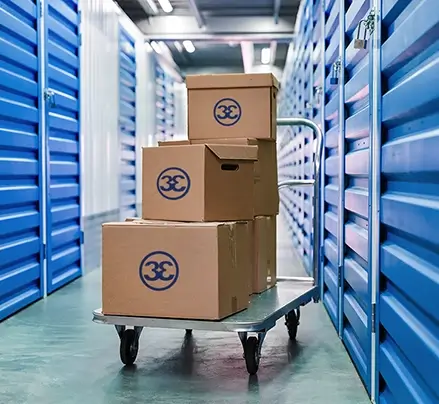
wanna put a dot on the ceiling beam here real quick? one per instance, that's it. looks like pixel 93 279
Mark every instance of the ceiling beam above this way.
pixel 200 19
pixel 276 11
pixel 273 49
pixel 174 25
pixel 222 38
pixel 248 55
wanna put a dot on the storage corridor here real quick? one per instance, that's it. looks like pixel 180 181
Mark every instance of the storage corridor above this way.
pixel 52 353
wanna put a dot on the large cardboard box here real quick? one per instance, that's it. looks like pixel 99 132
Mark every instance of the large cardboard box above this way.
pixel 264 239
pixel 226 106
pixel 198 182
pixel 175 270
pixel 266 193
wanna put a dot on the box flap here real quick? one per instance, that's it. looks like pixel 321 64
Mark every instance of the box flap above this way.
pixel 209 81
pixel 234 152
pixel 174 143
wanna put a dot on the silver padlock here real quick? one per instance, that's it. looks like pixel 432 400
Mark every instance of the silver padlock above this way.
pixel 361 43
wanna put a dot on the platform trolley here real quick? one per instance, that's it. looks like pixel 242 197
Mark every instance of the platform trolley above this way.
pixel 282 301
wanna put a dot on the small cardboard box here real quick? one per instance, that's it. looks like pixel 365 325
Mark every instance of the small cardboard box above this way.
pixel 198 182
pixel 264 239
pixel 175 270
pixel 266 192
pixel 227 106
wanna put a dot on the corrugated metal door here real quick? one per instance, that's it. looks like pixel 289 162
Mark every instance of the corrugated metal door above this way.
pixel 356 302
pixel 64 234
pixel 408 356
pixel 331 165
pixel 21 247
pixel 127 124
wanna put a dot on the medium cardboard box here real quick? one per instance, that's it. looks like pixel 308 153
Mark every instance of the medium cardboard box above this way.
pixel 227 106
pixel 264 239
pixel 175 270
pixel 198 182
pixel 266 193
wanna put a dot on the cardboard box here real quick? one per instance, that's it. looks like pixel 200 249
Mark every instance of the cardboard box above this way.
pixel 198 182
pixel 227 106
pixel 175 270
pixel 264 239
pixel 266 193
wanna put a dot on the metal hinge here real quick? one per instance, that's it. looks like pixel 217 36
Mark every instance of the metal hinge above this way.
pixel 322 253
pixel 80 40
pixel 373 315
pixel 339 275
pixel 41 8
pixel 81 237
pixel 44 251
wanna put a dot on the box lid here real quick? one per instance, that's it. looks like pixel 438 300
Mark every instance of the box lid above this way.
pixel 210 81
pixel 234 152
pixel 164 223
pixel 174 143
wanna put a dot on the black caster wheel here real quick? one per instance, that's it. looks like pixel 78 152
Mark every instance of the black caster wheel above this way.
pixel 252 355
pixel 129 346
pixel 292 323
pixel 188 333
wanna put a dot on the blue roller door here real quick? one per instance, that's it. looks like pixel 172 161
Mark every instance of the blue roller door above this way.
pixel 127 124
pixel 356 300
pixel 21 247
pixel 330 257
pixel 408 355
pixel 64 235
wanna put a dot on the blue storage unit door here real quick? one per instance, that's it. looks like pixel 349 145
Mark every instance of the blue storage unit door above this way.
pixel 356 301
pixel 408 308
pixel 21 248
pixel 331 181
pixel 127 124
pixel 64 235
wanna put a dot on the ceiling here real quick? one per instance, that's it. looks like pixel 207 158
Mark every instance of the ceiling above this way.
pixel 218 28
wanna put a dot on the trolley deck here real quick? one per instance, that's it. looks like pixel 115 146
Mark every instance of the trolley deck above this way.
pixel 265 309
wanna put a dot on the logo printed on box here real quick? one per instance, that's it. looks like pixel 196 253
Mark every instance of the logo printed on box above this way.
pixel 227 112
pixel 173 183
pixel 159 271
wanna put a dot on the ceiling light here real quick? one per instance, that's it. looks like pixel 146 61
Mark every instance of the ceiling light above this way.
pixel 166 5
pixel 156 47
pixel 265 56
pixel 178 46
pixel 189 46
pixel 148 47
pixel 149 4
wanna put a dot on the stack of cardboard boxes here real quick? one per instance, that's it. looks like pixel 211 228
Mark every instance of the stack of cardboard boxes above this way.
pixel 207 237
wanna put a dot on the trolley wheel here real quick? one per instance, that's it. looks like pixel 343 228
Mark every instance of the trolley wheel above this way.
pixel 129 346
pixel 292 323
pixel 252 355
pixel 188 332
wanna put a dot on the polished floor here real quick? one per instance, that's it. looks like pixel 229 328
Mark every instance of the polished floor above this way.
pixel 53 353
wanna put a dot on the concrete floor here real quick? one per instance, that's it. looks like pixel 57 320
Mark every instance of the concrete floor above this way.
pixel 53 353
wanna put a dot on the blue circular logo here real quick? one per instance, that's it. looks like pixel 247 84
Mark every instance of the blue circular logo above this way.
pixel 159 271
pixel 227 112
pixel 173 183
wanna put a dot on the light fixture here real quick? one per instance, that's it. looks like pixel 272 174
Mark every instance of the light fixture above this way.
pixel 156 47
pixel 148 47
pixel 189 46
pixel 265 56
pixel 178 46
pixel 149 4
pixel 166 5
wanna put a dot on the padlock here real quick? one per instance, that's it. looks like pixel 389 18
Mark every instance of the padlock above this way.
pixel 335 70
pixel 358 42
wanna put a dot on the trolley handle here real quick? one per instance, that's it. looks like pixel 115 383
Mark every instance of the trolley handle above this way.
pixel 314 182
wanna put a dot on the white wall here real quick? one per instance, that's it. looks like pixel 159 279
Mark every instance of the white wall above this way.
pixel 100 104
pixel 99 107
